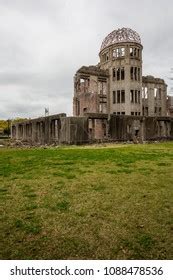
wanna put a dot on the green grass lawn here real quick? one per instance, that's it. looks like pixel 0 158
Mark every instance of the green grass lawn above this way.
pixel 112 202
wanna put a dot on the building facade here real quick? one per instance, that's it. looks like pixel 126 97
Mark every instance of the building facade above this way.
pixel 116 85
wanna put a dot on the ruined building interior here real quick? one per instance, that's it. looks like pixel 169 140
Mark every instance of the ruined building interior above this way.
pixel 112 100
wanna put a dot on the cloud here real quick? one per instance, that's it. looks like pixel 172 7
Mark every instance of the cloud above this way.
pixel 44 42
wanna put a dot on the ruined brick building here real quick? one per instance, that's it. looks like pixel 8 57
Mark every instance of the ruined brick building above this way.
pixel 116 85
pixel 112 100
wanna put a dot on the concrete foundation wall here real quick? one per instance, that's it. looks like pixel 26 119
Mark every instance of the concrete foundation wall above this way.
pixel 45 130
pixel 127 128
pixel 74 130
pixel 158 128
pixel 59 129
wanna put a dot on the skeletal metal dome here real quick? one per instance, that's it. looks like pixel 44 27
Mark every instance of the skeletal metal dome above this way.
pixel 121 35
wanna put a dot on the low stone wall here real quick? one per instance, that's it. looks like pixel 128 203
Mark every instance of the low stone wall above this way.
pixel 126 128
pixel 56 129
pixel 74 130
pixel 59 129
pixel 45 130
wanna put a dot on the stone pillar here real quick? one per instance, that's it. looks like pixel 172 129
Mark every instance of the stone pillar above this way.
pixel 151 102
pixel 56 130
pixel 24 131
pixel 17 131
pixel 34 132
pixel 41 133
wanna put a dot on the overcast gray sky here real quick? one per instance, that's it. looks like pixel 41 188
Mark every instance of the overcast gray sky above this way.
pixel 44 42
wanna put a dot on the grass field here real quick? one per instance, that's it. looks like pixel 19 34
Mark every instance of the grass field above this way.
pixel 112 202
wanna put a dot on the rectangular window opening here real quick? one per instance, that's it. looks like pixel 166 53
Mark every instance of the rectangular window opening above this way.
pixel 118 74
pixel 138 74
pixel 131 51
pixel 105 57
pixel 136 97
pixel 114 73
pixel 117 52
pixel 118 96
pixel 143 92
pixel 138 53
pixel 139 96
pixel 114 97
pixel 122 51
pixel 114 53
pixel 131 73
pixel 159 93
pixel 122 73
pixel 131 96
pixel 123 96
pixel 135 73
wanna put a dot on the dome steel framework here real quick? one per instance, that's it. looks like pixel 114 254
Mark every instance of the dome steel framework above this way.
pixel 122 35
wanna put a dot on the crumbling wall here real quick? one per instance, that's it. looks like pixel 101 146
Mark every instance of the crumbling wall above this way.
pixel 157 128
pixel 126 128
pixel 74 130
pixel 45 130
pixel 154 96
pixel 59 129
pixel 90 91
pixel 169 105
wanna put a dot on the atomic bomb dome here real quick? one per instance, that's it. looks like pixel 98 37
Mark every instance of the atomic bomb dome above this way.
pixel 121 35
pixel 112 101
